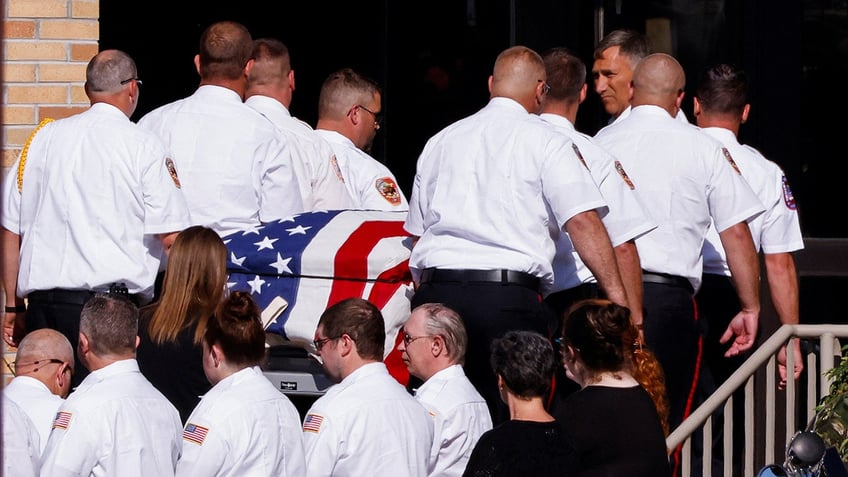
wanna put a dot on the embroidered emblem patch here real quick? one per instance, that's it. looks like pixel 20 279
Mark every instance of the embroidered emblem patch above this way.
pixel 335 164
pixel 195 433
pixel 620 169
pixel 388 189
pixel 788 197
pixel 172 169
pixel 730 160
pixel 62 421
pixel 579 155
pixel 312 423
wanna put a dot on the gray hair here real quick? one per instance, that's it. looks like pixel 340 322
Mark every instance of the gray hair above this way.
pixel 107 70
pixel 445 322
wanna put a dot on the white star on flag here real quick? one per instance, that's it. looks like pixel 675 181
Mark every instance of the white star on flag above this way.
pixel 267 242
pixel 282 264
pixel 236 260
pixel 298 230
pixel 256 285
pixel 252 229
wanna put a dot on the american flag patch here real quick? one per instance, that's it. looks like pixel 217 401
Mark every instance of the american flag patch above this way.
pixel 62 421
pixel 195 433
pixel 312 423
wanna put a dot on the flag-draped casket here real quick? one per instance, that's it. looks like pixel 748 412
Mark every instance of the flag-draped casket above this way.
pixel 313 260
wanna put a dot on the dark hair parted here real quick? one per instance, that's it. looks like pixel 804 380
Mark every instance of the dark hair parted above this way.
pixel 359 319
pixel 237 328
pixel 525 361
pixel 603 334
pixel 225 49
pixel 566 74
pixel 723 89
pixel 111 325
pixel 630 43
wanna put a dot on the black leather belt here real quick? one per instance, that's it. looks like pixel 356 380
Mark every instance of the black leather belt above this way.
pixel 666 279
pixel 504 277
pixel 67 297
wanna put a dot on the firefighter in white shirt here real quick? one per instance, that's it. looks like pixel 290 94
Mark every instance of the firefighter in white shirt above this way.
pixel 433 348
pixel 115 422
pixel 367 423
pixel 243 425
pixel 93 200
pixel 236 169
pixel 349 116
pixel 270 87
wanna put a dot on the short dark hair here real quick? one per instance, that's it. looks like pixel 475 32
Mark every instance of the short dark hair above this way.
pixel 566 74
pixel 111 324
pixel 362 321
pixel 237 328
pixel 630 43
pixel 723 89
pixel 225 48
pixel 342 90
pixel 525 361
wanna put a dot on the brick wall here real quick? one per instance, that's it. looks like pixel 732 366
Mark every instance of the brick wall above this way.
pixel 46 46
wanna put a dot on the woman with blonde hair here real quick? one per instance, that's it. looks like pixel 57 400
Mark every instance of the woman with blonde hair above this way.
pixel 171 329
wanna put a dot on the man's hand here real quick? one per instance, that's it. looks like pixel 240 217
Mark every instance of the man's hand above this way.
pixel 781 362
pixel 14 328
pixel 743 330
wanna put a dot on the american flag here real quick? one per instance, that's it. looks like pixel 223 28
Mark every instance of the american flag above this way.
pixel 62 421
pixel 195 433
pixel 312 423
pixel 316 259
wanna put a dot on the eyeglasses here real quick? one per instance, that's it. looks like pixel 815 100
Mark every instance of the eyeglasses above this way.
pixel 546 88
pixel 560 343
pixel 319 343
pixel 44 362
pixel 378 117
pixel 407 338
pixel 138 81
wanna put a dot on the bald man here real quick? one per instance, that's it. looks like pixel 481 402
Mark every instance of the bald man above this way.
pixel 687 180
pixel 44 364
pixel 483 193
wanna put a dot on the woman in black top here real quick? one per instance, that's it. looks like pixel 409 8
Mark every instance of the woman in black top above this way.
pixel 531 443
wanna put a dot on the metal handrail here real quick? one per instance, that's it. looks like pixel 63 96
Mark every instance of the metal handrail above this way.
pixel 765 354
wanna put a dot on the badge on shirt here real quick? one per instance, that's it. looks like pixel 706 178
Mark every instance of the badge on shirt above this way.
pixel 388 189
pixel 172 169
pixel 788 197
pixel 335 164
pixel 730 160
pixel 312 423
pixel 620 169
pixel 62 421
pixel 195 433
pixel 579 155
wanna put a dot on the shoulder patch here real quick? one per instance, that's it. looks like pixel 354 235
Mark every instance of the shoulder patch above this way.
pixel 620 169
pixel 312 423
pixel 788 197
pixel 730 160
pixel 172 169
pixel 579 155
pixel 334 163
pixel 388 189
pixel 194 433
pixel 62 420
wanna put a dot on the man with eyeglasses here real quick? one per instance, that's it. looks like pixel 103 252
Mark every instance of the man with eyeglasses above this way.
pixel 349 116
pixel 43 368
pixel 366 423
pixel 92 200
pixel 433 349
